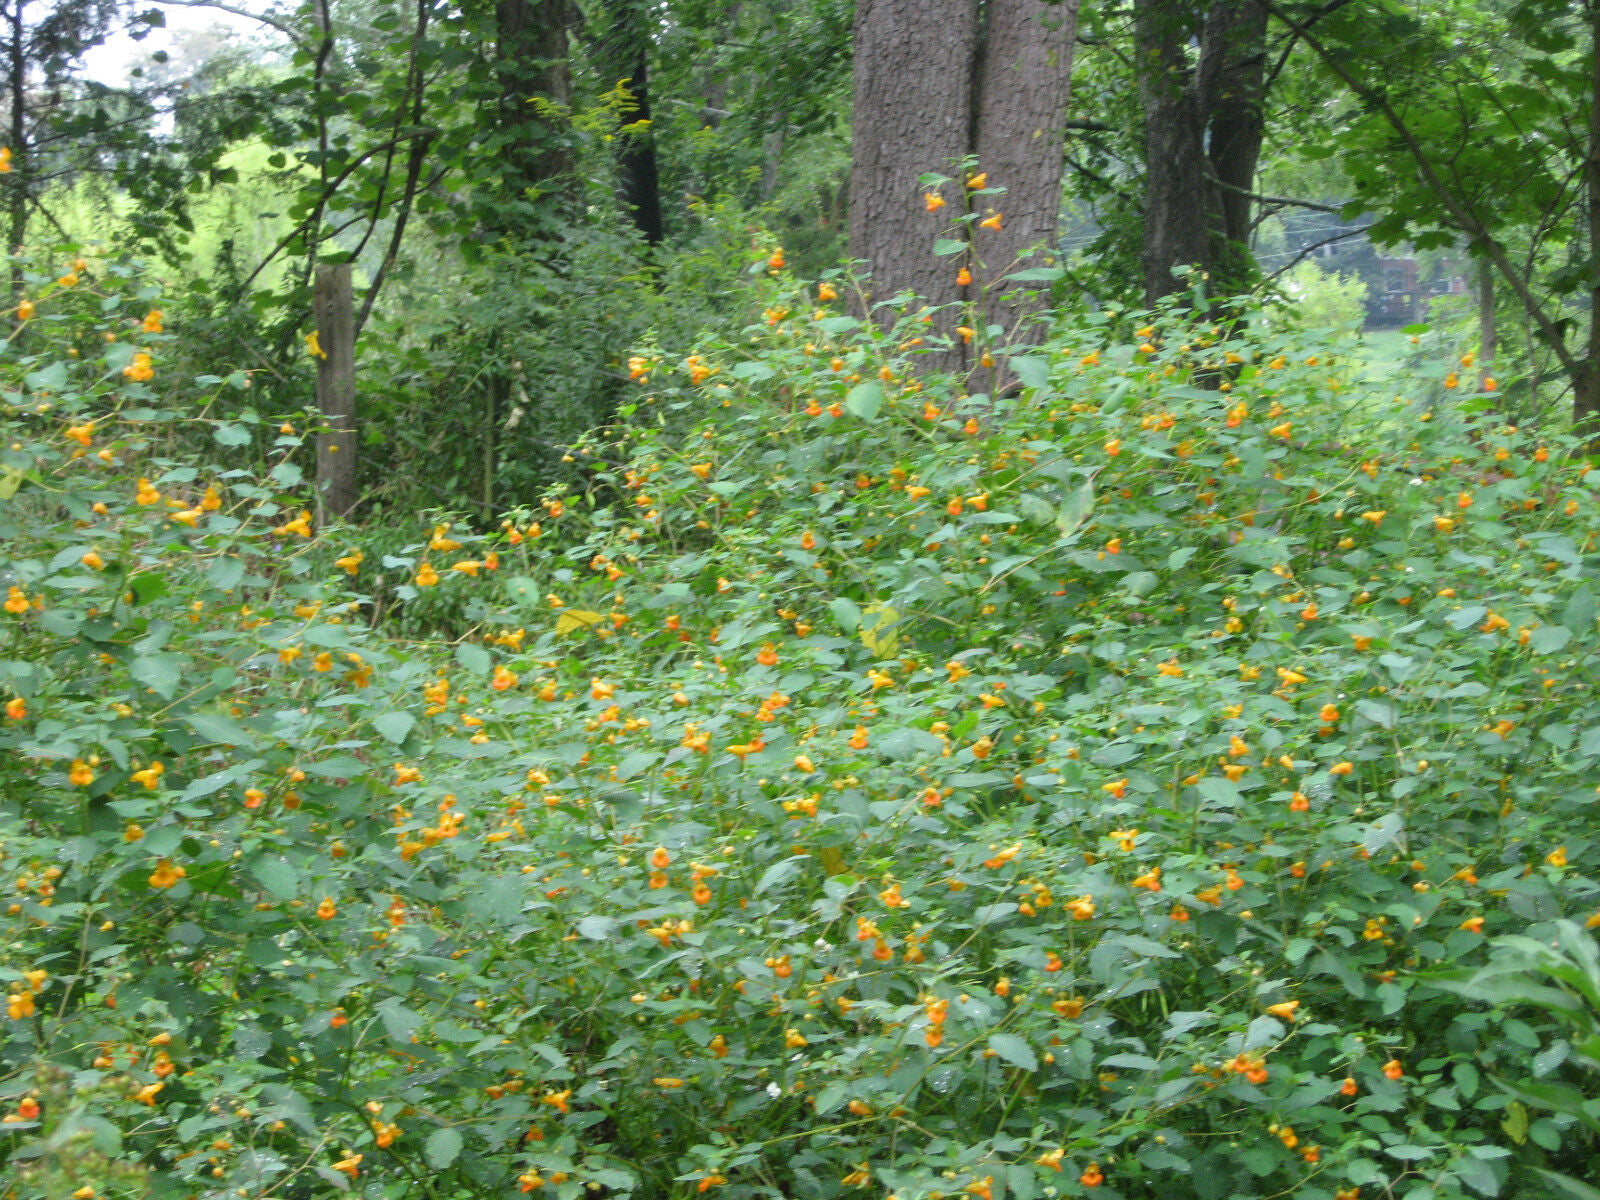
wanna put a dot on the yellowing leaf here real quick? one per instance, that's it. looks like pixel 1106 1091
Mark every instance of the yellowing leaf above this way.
pixel 574 619
pixel 876 636
pixel 832 860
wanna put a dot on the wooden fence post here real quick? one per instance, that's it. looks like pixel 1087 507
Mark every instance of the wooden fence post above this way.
pixel 337 459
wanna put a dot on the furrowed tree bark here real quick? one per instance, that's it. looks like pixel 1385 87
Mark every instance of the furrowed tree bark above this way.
pixel 1180 199
pixel 1019 137
pixel 336 391
pixel 914 67
pixel 531 60
pixel 1233 97
pixel 1586 381
pixel 21 165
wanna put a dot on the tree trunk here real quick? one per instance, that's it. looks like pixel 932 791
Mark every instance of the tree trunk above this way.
pixel 1233 95
pixel 1179 198
pixel 336 390
pixel 624 35
pixel 21 164
pixel 914 66
pixel 531 60
pixel 1019 136
pixel 641 179
pixel 1488 328
pixel 1586 381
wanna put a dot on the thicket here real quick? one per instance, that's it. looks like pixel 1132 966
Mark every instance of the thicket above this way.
pixel 840 783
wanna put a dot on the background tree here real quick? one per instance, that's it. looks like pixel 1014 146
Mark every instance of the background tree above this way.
pixel 1203 127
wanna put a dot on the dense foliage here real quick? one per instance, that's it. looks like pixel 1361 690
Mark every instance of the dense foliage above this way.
pixel 844 785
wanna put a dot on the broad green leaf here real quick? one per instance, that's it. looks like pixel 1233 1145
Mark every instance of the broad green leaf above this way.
pixel 1014 1050
pixel 865 399
pixel 443 1147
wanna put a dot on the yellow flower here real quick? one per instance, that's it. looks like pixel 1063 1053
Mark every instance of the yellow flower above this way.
pixel 426 575
pixel 166 874
pixel 139 370
pixel 932 201
pixel 981 179
pixel 300 525
pixel 1557 857
pixel 150 776
pixel 314 346
pixel 152 321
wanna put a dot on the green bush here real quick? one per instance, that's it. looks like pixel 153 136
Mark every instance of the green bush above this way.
pixel 845 784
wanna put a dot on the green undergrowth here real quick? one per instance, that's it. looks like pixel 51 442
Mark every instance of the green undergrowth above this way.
pixel 859 786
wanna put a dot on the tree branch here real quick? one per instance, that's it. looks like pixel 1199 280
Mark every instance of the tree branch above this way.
pixel 1327 241
pixel 1465 219
pixel 288 31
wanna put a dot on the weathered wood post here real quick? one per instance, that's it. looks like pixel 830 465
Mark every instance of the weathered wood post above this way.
pixel 336 391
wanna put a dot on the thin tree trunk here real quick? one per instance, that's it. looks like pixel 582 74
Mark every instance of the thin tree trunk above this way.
pixel 641 178
pixel 336 390
pixel 1018 135
pixel 1488 330
pixel 914 65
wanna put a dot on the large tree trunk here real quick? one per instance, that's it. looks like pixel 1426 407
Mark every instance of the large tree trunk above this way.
pixel 1179 202
pixel 914 62
pixel 1586 380
pixel 21 164
pixel 1203 126
pixel 1019 135
pixel 1233 95
pixel 531 60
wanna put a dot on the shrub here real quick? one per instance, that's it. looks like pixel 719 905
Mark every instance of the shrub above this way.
pixel 847 785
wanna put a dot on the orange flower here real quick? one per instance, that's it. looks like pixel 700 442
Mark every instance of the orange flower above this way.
pixel 1092 1177
pixel 992 222
pixel 963 277
pixel 1392 1069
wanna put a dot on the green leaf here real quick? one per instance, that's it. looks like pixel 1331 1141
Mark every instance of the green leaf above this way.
pixel 473 658
pixel 443 1147
pixel 1572 1187
pixel 865 399
pixel 596 928
pixel 1014 1050
pixel 161 673
pixel 224 574
pixel 277 876
pixel 944 247
pixel 219 728
pixel 847 612
pixel 1031 370
pixel 1076 509
pixel 394 726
